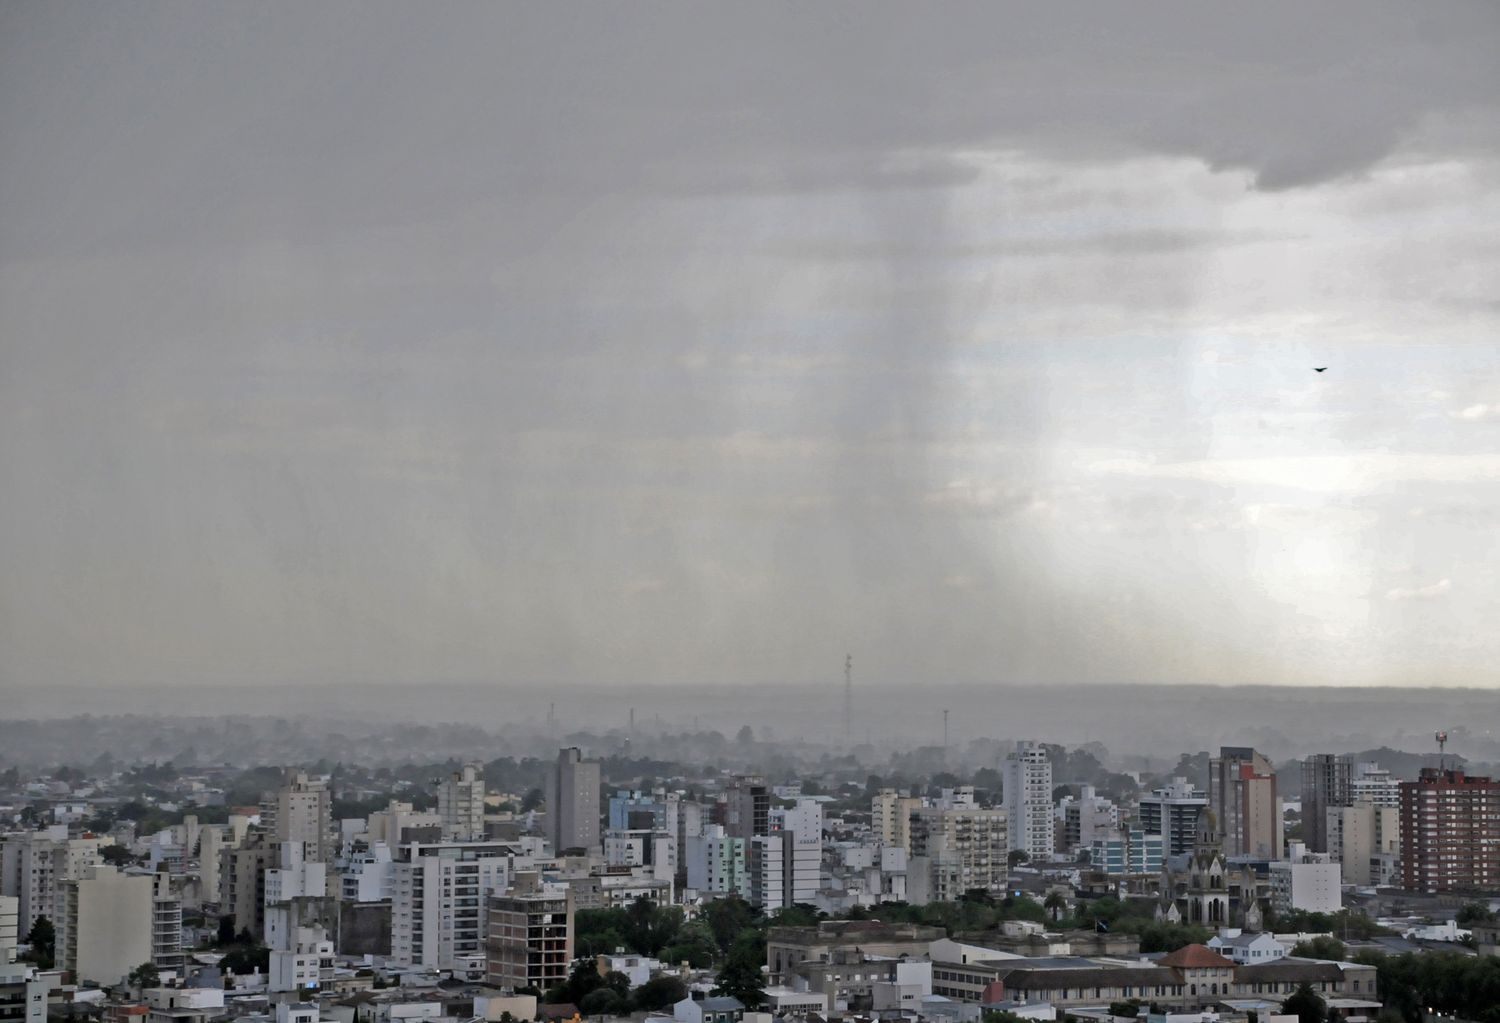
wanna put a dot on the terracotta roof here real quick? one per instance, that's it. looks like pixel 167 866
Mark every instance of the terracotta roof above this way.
pixel 1196 957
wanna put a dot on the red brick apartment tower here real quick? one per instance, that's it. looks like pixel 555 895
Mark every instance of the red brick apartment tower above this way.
pixel 1450 832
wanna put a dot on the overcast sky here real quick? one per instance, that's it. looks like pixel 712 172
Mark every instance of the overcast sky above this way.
pixel 631 343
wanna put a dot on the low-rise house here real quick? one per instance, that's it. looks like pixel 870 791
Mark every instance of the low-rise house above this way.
pixel 714 1009
pixel 1245 949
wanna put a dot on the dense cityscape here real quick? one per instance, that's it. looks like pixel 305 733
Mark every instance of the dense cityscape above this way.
pixel 839 511
pixel 1050 886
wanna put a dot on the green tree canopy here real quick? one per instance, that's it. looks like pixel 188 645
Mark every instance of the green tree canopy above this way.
pixel 1321 947
pixel 1307 1004
pixel 741 976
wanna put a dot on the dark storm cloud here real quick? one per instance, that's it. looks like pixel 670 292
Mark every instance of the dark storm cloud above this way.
pixel 663 342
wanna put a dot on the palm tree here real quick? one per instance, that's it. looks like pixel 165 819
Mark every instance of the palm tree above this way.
pixel 1055 904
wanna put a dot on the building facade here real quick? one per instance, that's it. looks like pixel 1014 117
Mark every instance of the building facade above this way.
pixel 1172 812
pixel 104 924
pixel 573 802
pixel 438 900
pixel 1243 796
pixel 1450 832
pixel 1028 801
pixel 1327 782
pixel 461 804
pixel 529 939
pixel 956 850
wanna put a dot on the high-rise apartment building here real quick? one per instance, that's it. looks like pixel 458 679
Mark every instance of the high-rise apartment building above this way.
pixel 1306 881
pixel 1450 832
pixel 10 927
pixel 784 865
pixel 1242 794
pixel 530 934
pixel 643 832
pixel 717 863
pixel 1371 783
pixel 955 850
pixel 1366 840
pixel 302 811
pixel 461 804
pixel 166 924
pixel 34 863
pixel 1172 812
pixel 438 900
pixel 1326 783
pixel 747 807
pixel 573 802
pixel 890 818
pixel 104 924
pixel 242 882
pixel 1028 801
pixel 1087 818
pixel 1127 851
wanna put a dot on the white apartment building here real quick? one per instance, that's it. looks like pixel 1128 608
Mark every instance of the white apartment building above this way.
pixel 1372 783
pixel 104 924
pixel 461 804
pixel 294 891
pixel 369 875
pixel 32 863
pixel 786 865
pixel 23 991
pixel 1306 881
pixel 438 900
pixel 166 924
pixel 306 962
pixel 655 852
pixel 10 927
pixel 716 863
pixel 1028 800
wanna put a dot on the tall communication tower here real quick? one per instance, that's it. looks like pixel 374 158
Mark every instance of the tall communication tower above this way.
pixel 848 699
pixel 1442 741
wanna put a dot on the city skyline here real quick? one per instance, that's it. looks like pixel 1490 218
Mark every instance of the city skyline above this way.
pixel 370 343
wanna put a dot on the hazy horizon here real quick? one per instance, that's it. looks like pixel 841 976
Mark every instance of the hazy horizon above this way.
pixel 608 347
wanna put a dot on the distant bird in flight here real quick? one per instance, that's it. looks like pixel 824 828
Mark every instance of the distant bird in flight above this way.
pixel 1319 369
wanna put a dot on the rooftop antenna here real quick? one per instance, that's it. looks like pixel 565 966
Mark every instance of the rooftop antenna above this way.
pixel 848 699
pixel 1442 741
pixel 945 729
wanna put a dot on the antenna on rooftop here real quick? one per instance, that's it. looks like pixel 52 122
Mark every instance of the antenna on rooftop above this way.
pixel 945 729
pixel 1442 741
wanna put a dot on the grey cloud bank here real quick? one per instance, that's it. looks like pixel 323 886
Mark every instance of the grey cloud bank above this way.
pixel 701 344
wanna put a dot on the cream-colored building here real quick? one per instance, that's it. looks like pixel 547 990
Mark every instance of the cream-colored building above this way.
pixel 955 850
pixel 1366 839
pixel 890 818
pixel 104 924
pixel 34 863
